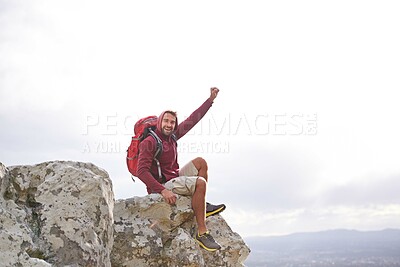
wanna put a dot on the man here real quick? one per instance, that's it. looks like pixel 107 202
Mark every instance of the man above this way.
pixel 190 180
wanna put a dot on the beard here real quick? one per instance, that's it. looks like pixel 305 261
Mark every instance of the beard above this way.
pixel 167 131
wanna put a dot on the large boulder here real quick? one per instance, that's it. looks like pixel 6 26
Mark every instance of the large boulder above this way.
pixel 150 232
pixel 56 213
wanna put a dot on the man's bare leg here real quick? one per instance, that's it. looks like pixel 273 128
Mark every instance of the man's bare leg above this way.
pixel 199 204
pixel 202 168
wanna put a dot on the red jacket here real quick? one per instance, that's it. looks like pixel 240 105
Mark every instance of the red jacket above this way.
pixel 147 167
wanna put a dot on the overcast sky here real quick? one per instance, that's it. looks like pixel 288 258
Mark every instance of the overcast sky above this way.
pixel 304 135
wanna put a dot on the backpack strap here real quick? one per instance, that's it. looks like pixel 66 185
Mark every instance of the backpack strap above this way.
pixel 158 152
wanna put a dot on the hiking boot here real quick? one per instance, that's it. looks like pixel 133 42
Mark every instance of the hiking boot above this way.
pixel 214 209
pixel 207 242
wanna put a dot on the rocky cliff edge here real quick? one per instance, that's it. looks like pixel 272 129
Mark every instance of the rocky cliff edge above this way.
pixel 63 213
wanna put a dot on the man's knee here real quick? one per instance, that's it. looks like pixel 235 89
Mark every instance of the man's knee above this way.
pixel 200 163
pixel 201 184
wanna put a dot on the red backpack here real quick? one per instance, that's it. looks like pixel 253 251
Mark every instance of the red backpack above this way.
pixel 143 128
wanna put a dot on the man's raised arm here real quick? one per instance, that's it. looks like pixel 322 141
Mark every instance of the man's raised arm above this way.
pixel 197 115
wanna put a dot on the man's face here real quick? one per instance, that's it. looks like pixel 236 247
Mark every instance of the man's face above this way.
pixel 168 124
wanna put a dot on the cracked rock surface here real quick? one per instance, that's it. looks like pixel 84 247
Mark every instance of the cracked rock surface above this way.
pixel 56 213
pixel 63 213
pixel 150 232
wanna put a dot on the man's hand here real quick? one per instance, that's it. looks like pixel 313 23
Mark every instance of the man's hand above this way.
pixel 214 93
pixel 169 196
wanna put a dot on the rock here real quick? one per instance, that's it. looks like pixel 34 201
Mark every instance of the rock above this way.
pixel 56 213
pixel 150 232
pixel 62 213
pixel 15 235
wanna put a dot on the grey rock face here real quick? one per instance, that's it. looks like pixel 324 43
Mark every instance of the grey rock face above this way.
pixel 150 232
pixel 56 213
pixel 63 213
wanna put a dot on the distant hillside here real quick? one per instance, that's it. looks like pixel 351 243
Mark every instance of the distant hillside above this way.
pixel 343 247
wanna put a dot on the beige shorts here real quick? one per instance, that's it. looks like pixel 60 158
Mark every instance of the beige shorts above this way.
pixel 185 184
